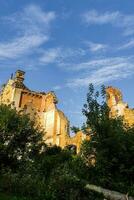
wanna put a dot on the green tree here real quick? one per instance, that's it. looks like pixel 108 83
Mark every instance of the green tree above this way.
pixel 111 145
pixel 28 170
pixel 19 139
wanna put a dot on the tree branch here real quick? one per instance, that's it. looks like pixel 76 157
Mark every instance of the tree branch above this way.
pixel 109 194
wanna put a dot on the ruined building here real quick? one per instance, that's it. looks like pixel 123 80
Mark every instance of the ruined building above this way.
pixel 42 107
pixel 118 107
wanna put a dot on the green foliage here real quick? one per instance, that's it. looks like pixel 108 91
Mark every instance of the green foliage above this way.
pixel 7 197
pixel 26 185
pixel 67 187
pixel 19 139
pixel 96 110
pixel 31 170
pixel 51 159
pixel 75 129
pixel 111 144
pixel 58 176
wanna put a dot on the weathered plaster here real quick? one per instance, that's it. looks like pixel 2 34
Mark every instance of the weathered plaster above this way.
pixel 118 107
pixel 42 107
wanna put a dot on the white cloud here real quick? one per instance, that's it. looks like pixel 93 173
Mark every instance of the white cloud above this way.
pixel 95 47
pixel 57 87
pixel 50 55
pixel 93 17
pixel 128 45
pixel 103 71
pixel 116 19
pixel 36 14
pixel 31 19
pixel 94 63
pixel 61 55
pixel 21 46
pixel 31 27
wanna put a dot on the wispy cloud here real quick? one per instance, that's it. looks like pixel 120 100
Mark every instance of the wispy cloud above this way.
pixel 32 30
pixel 32 19
pixel 116 19
pixel 35 14
pixel 57 87
pixel 93 17
pixel 20 46
pixel 104 70
pixel 61 55
pixel 50 55
pixel 96 47
pixel 31 27
pixel 127 45
pixel 94 63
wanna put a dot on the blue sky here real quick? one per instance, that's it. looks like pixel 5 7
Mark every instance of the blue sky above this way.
pixel 65 45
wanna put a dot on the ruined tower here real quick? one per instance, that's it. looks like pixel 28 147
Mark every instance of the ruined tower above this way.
pixel 118 107
pixel 41 107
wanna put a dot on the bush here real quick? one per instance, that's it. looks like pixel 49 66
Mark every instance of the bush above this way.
pixel 66 186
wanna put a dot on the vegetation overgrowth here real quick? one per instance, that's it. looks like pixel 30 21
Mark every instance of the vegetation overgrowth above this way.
pixel 29 169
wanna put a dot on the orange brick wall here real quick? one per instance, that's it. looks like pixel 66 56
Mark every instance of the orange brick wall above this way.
pixel 26 98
